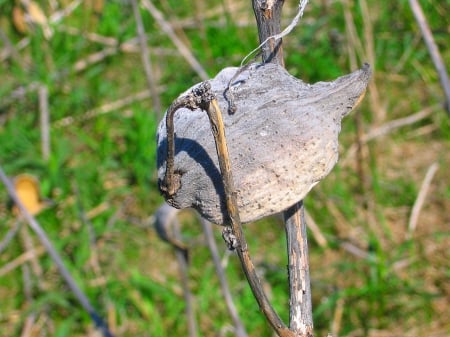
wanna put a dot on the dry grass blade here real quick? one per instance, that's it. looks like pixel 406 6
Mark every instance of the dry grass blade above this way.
pixel 10 235
pixel 420 200
pixel 433 49
pixel 182 259
pixel 239 329
pixel 45 121
pixel 168 229
pixel 363 50
pixel 106 108
pixel 9 49
pixel 387 128
pixel 23 258
pixel 182 48
pixel 315 230
pixel 146 60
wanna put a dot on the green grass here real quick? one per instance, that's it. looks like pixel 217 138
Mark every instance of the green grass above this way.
pixel 101 177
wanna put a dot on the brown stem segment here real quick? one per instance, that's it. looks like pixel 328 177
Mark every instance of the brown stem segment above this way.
pixel 268 19
pixel 300 318
pixel 217 127
pixel 202 97
pixel 171 181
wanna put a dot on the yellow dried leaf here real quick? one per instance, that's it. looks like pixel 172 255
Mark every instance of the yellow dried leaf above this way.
pixel 27 189
pixel 36 13
pixel 18 19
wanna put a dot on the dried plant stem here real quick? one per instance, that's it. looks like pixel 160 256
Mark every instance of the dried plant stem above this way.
pixel 433 50
pixel 182 259
pixel 104 109
pixel 34 263
pixel 387 128
pixel 84 301
pixel 239 329
pixel 10 235
pixel 9 50
pixel 146 60
pixel 202 97
pixel 300 308
pixel 168 229
pixel 182 48
pixel 31 317
pixel 20 260
pixel 45 121
pixel 315 230
pixel 217 127
pixel 420 200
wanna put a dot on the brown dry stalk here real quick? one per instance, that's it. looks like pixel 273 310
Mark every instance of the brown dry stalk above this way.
pixel 146 60
pixel 239 329
pixel 268 17
pixel 182 48
pixel 433 50
pixel 183 265
pixel 45 121
pixel 218 130
pixel 202 97
pixel 20 260
pixel 104 109
pixel 420 200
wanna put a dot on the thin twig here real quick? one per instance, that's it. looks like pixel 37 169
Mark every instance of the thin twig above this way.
pixel 168 229
pixel 10 235
pixel 202 97
pixel 182 48
pixel 182 259
pixel 28 246
pixel 45 121
pixel 21 259
pixel 91 36
pixel 387 128
pixel 315 230
pixel 146 60
pixel 433 50
pixel 337 317
pixel 300 307
pixel 27 287
pixel 239 329
pixel 84 301
pixel 104 109
pixel 69 9
pixel 9 49
pixel 420 200
pixel 369 56
pixel 217 127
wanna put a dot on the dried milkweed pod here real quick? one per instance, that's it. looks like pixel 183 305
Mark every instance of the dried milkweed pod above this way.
pixel 282 140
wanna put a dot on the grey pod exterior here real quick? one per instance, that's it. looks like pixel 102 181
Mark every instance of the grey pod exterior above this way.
pixel 282 140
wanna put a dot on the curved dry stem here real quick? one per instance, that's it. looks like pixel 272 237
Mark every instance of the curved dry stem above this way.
pixel 217 127
pixel 202 97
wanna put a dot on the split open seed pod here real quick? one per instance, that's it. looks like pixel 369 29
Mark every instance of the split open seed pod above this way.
pixel 282 140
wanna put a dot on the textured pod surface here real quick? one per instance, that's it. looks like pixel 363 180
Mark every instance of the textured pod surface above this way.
pixel 282 140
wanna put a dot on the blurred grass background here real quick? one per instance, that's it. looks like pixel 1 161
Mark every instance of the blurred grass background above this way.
pixel 371 274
